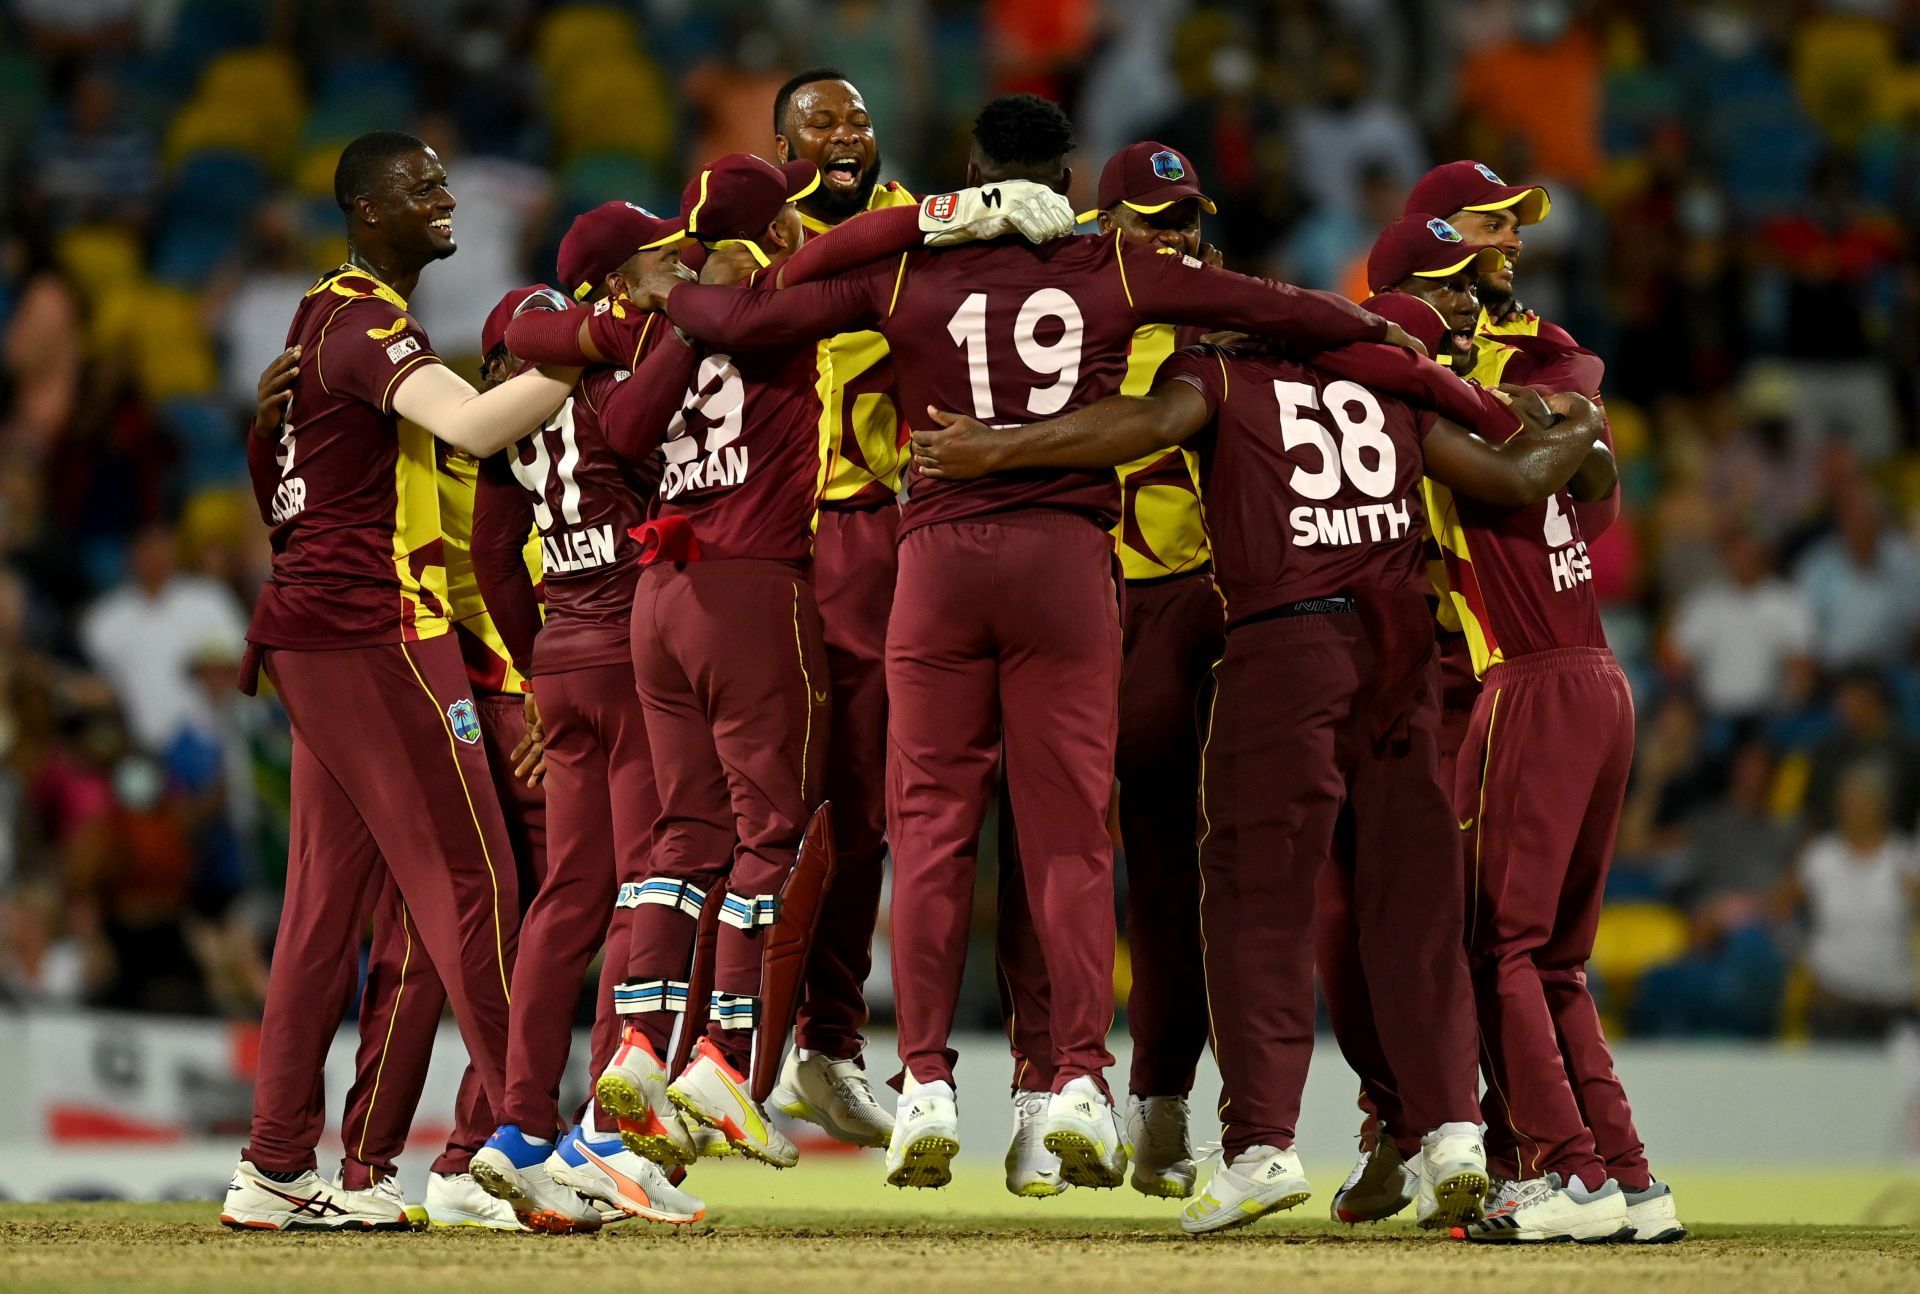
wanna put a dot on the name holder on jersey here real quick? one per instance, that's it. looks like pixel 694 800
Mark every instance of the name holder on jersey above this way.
pixel 401 349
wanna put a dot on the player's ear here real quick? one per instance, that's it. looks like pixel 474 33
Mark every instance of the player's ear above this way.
pixel 1104 222
pixel 782 149
pixel 973 174
pixel 1066 180
pixel 367 208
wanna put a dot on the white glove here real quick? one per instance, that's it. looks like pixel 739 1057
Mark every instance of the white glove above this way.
pixel 1033 211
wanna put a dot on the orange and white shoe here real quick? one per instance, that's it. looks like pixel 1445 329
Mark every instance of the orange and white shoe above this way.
pixel 633 1089
pixel 603 1171
pixel 712 1093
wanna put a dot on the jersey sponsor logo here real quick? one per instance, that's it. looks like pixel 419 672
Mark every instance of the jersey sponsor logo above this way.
pixel 403 348
pixel 941 206
pixel 1445 232
pixel 578 550
pixel 1366 523
pixel 464 720
pixel 393 330
pixel 1166 165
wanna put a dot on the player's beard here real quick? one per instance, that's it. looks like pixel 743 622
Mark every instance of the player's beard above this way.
pixel 834 205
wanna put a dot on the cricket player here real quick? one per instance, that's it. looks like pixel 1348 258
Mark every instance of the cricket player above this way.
pixel 583 499
pixel 1311 476
pixel 1005 630
pixel 1171 636
pixel 356 606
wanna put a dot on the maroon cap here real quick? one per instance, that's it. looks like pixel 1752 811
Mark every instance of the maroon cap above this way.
pixel 1421 320
pixel 1150 177
pixel 737 196
pixel 1424 246
pixel 602 240
pixel 511 307
pixel 1471 186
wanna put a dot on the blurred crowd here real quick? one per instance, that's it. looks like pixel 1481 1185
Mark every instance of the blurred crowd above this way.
pixel 1735 186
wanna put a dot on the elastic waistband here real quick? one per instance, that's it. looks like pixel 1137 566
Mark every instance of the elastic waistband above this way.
pixel 1157 581
pixel 1030 518
pixel 741 565
pixel 1339 606
pixel 1559 660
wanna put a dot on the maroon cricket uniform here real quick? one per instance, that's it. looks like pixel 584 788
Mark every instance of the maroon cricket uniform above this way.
pixel 1005 630
pixel 1311 484
pixel 582 499
pixel 1538 860
pixel 351 626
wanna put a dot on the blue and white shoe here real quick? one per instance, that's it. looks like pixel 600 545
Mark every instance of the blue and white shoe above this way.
pixel 513 1167
pixel 605 1172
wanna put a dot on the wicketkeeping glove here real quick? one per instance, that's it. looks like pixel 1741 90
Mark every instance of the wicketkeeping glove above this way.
pixel 1022 207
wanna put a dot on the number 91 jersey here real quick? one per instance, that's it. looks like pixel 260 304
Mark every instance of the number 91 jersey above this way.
pixel 1311 482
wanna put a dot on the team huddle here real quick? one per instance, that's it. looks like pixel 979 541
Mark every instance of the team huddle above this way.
pixel 791 533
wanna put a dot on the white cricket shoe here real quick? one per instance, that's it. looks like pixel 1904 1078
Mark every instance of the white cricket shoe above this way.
pixel 513 1167
pixel 1542 1211
pixel 456 1200
pixel 604 1172
pixel 633 1088
pixel 1379 1186
pixel 1652 1216
pixel 1259 1181
pixel 712 1093
pixel 926 1136
pixel 1453 1177
pixel 256 1202
pixel 835 1095
pixel 1033 1171
pixel 1162 1154
pixel 1081 1128
pixel 383 1194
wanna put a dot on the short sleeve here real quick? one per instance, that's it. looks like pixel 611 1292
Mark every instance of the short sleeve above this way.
pixel 620 331
pixel 1204 368
pixel 368 347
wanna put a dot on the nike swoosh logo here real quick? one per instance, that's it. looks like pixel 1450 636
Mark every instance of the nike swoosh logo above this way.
pixel 628 1186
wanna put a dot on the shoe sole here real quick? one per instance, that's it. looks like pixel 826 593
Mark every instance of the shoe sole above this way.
pixel 736 1137
pixel 926 1164
pixel 1037 1190
pixel 1622 1235
pixel 244 1223
pixel 1082 1163
pixel 1161 1188
pixel 532 1215
pixel 476 1223
pixel 798 1107
pixel 629 1104
pixel 1360 1217
pixel 1458 1200
pixel 1672 1235
pixel 1243 1216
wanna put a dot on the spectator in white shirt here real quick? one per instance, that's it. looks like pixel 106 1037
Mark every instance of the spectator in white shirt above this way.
pixel 1863 583
pixel 143 636
pixel 1858 886
pixel 1746 637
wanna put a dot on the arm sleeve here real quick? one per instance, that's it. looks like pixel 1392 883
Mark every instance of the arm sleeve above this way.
pixel 623 333
pixel 437 398
pixel 868 237
pixel 1201 367
pixel 367 349
pixel 1425 385
pixel 636 414
pixel 763 318
pixel 1171 288
pixel 502 516
pixel 549 337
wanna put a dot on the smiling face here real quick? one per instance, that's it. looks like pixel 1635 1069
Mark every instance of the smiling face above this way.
pixel 1457 299
pixel 411 208
pixel 827 124
pixel 1177 226
pixel 1492 229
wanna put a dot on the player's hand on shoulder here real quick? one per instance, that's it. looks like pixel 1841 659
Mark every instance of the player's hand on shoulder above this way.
pixel 1033 211
pixel 1526 402
pixel 1398 336
pixel 726 266
pixel 649 291
pixel 1570 404
pixel 1211 255
pixel 275 392
pixel 953 447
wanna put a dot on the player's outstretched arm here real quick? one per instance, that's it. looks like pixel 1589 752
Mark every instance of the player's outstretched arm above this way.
pixel 437 398
pixel 1523 470
pixel 638 411
pixel 1170 288
pixel 763 318
pixel 1022 207
pixel 562 338
pixel 1108 433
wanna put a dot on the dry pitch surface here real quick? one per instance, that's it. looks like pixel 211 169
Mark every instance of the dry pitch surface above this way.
pixel 832 1227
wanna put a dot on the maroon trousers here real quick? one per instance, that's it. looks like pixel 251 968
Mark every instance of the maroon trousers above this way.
pixel 388 776
pixel 402 1001
pixel 733 681
pixel 1539 791
pixel 601 806
pixel 1172 635
pixel 1292 778
pixel 1005 635
pixel 855 559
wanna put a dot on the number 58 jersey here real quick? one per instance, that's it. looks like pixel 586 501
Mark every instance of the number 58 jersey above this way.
pixel 1311 481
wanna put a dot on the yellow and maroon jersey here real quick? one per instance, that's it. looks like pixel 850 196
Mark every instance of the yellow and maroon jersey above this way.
pixel 348 489
pixel 1161 531
pixel 859 424
pixel 489 664
pixel 1523 323
pixel 1519 578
